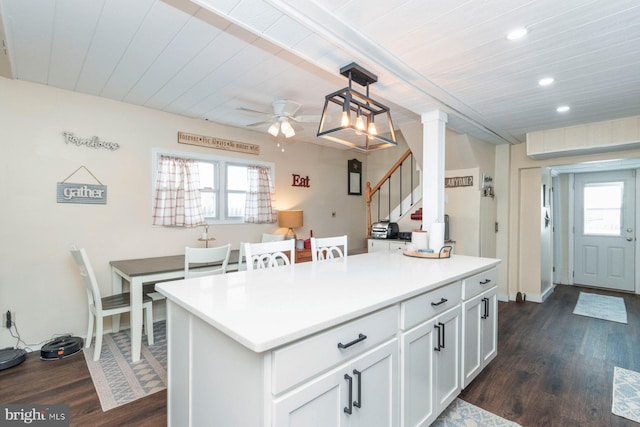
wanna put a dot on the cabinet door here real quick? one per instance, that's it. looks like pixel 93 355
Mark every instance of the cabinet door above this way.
pixel 378 245
pixel 490 326
pixel 447 360
pixel 375 394
pixel 471 339
pixel 417 376
pixel 367 387
pixel 319 403
pixel 398 246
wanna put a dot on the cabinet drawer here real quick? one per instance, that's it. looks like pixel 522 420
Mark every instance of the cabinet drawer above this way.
pixel 474 285
pixel 302 360
pixel 425 306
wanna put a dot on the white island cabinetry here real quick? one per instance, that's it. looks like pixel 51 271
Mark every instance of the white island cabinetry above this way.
pixel 340 343
pixel 480 323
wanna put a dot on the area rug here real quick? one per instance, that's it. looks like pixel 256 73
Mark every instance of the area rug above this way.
pixel 626 394
pixel 117 379
pixel 464 414
pixel 601 307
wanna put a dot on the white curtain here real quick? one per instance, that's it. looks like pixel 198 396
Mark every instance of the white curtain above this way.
pixel 177 201
pixel 258 207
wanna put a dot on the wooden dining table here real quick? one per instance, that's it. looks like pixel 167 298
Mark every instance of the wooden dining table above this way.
pixel 142 271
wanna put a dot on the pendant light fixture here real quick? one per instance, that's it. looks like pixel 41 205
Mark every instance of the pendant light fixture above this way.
pixel 372 128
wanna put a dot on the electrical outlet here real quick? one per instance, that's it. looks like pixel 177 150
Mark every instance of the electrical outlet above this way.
pixel 5 318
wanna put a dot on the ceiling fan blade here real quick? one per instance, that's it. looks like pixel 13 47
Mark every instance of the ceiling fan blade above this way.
pixel 248 110
pixel 264 122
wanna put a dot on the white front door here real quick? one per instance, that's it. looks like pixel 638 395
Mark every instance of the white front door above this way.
pixel 605 229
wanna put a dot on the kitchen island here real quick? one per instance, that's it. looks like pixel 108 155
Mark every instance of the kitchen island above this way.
pixel 341 342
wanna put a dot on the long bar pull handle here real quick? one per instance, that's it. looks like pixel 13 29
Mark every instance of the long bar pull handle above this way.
pixel 361 337
pixel 358 403
pixel 485 306
pixel 443 332
pixel 349 409
pixel 438 328
pixel 484 282
pixel 442 301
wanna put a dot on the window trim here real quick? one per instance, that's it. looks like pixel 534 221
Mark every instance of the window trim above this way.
pixel 222 178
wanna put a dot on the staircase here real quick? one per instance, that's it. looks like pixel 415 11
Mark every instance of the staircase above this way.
pixel 395 194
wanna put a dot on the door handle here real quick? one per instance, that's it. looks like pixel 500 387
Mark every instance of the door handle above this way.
pixel 629 239
pixel 349 409
pixel 485 304
pixel 358 403
pixel 438 328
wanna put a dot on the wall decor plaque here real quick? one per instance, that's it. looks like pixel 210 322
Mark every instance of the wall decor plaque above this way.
pixel 70 192
pixel 93 142
pixel 219 143
pixel 458 181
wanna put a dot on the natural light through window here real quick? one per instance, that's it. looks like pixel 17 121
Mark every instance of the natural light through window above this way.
pixel 603 208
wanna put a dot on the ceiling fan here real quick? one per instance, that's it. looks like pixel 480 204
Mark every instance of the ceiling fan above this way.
pixel 283 119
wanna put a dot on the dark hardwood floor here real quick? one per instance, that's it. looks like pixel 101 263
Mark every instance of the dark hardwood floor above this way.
pixel 67 381
pixel 553 368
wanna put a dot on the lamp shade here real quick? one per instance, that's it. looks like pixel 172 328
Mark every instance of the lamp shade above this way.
pixel 290 218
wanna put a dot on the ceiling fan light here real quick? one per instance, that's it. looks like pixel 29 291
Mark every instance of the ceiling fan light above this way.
pixel 287 129
pixel 274 129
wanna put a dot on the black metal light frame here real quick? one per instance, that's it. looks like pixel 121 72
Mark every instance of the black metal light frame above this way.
pixel 370 110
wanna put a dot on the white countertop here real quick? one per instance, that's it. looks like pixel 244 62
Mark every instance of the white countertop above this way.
pixel 264 309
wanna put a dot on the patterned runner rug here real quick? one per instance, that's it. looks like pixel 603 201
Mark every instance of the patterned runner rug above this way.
pixel 626 394
pixel 601 307
pixel 117 379
pixel 464 414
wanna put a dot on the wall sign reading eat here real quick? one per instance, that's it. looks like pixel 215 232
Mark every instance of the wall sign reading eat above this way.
pixel 300 181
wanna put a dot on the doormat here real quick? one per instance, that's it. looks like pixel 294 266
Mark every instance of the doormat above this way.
pixel 601 307
pixel 464 414
pixel 626 394
pixel 117 379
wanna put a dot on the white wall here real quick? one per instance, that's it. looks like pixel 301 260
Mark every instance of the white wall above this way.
pixel 38 280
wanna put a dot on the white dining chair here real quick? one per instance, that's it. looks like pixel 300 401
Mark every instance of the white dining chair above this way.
pixel 270 254
pixel 266 237
pixel 101 307
pixel 328 248
pixel 219 256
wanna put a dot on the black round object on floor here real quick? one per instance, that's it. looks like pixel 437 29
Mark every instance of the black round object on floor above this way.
pixel 61 347
pixel 10 357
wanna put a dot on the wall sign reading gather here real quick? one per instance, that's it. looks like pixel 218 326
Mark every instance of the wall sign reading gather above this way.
pixel 69 192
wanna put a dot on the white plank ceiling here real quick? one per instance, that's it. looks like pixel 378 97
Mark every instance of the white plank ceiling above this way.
pixel 208 58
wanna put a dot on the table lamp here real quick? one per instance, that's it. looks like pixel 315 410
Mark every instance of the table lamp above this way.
pixel 290 219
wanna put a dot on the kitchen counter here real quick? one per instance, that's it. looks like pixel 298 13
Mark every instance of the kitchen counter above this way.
pixel 264 309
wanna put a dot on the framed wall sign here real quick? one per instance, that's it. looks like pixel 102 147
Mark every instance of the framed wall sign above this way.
pixel 355 177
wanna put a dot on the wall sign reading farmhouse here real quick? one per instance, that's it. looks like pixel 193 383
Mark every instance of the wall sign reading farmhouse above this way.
pixel 220 144
pixel 93 142
pixel 458 181
pixel 69 192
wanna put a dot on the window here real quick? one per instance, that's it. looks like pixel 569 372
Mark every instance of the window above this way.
pixel 603 208
pixel 223 184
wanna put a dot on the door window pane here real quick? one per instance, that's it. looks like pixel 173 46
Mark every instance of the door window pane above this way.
pixel 603 208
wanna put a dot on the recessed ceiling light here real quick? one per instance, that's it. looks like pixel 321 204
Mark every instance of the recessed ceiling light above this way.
pixel 563 109
pixel 517 33
pixel 546 81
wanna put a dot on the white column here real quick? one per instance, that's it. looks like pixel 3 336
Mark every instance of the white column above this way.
pixel 434 126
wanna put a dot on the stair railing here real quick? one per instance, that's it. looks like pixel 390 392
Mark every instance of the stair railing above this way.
pixel 394 172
